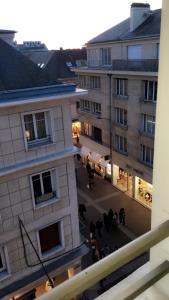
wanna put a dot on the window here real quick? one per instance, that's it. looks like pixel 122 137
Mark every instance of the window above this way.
pixel 97 134
pixel 121 116
pixel 86 128
pixel 158 50
pixel 121 87
pixel 36 127
pixel 148 124
pixel 134 52
pixel 106 56
pixel 2 261
pixel 96 108
pixel 50 239
pixel 93 57
pixel 150 90
pixel 85 105
pixel 146 154
pixel 120 143
pixel 94 82
pixel 44 186
pixel 89 82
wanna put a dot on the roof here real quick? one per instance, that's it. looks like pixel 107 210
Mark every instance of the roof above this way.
pixel 38 56
pixel 7 31
pixel 61 62
pixel 121 32
pixel 18 72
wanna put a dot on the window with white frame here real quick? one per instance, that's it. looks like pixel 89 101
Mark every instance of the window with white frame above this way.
pixel 94 82
pixel 120 143
pixel 106 56
pixel 146 154
pixel 134 52
pixel 121 87
pixel 93 57
pixel 44 186
pixel 85 105
pixel 121 116
pixel 150 90
pixel 148 124
pixel 51 239
pixel 37 127
pixel 96 108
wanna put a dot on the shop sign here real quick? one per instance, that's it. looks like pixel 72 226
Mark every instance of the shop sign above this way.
pixel 135 170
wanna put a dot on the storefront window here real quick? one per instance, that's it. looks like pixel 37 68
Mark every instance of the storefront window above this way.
pixel 122 179
pixel 76 126
pixel 143 191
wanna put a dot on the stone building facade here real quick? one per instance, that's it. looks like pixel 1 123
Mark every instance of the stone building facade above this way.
pixel 118 114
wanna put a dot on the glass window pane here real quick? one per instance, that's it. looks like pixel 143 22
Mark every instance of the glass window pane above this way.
pixel 121 87
pixel 1 263
pixel 150 90
pixel 29 127
pixel 47 184
pixel 49 237
pixel 155 91
pixel 36 186
pixel 40 124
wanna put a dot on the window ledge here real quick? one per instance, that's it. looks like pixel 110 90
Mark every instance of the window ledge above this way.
pixel 38 143
pixel 146 163
pixel 141 132
pixel 46 203
pixel 55 250
pixel 120 97
pixel 121 125
pixel 119 151
pixel 4 275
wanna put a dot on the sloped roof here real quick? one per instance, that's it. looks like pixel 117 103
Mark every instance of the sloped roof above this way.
pixel 38 56
pixel 17 71
pixel 59 66
pixel 120 32
pixel 7 31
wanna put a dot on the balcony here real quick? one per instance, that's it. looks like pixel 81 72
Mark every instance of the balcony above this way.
pixel 88 277
pixel 139 65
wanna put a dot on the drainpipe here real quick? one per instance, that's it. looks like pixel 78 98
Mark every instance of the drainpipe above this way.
pixel 110 123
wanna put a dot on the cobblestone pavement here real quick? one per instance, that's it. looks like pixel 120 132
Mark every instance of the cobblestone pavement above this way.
pixel 98 200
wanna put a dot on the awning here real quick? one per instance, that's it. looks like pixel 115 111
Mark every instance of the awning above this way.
pixel 95 157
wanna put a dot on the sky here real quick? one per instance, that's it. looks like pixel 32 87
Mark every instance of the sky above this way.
pixel 64 23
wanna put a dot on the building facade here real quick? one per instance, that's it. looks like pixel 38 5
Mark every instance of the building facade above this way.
pixel 39 231
pixel 118 114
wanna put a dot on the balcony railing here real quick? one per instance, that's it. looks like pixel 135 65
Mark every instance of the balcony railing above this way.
pixel 91 275
pixel 140 65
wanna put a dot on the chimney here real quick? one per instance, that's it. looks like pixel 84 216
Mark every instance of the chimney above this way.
pixel 138 14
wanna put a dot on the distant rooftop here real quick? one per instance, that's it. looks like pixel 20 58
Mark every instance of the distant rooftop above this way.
pixel 149 28
pixel 7 31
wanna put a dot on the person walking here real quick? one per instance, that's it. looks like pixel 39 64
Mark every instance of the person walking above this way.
pixel 92 229
pixel 114 221
pixel 122 216
pixel 106 222
pixel 82 210
pixel 99 226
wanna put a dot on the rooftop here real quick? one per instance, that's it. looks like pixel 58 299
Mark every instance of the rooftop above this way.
pixel 121 32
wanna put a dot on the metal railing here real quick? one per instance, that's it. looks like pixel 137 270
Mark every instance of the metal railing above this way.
pixel 141 65
pixel 91 275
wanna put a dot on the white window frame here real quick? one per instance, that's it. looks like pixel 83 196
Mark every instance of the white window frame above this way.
pixel 142 154
pixel 117 146
pixel 118 87
pixel 37 142
pixel 106 56
pixel 57 249
pixel 55 186
pixel 151 120
pixel 5 271
pixel 96 108
pixel 147 96
pixel 118 112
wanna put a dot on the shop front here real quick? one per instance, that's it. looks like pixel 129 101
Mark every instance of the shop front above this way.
pixel 143 191
pixel 76 129
pixel 123 180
